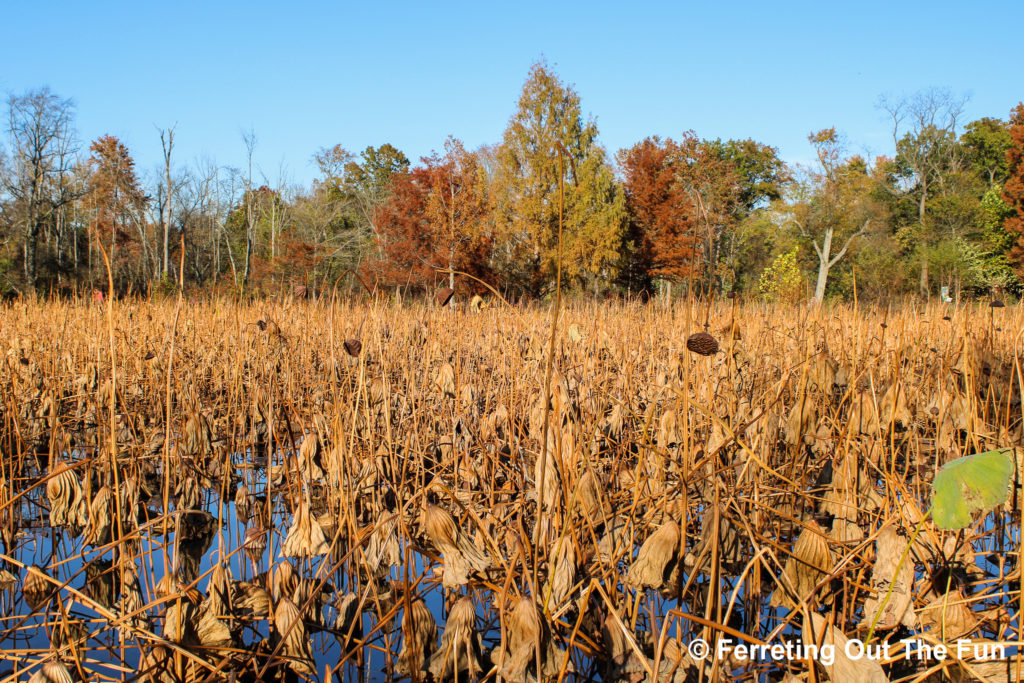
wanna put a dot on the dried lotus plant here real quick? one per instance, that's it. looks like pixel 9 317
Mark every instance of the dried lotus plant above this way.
pixel 845 665
pixel 949 617
pixel 251 600
pixel 295 644
pixel 809 563
pixel 133 606
pixel 305 536
pixel 212 628
pixel 591 503
pixel 702 344
pixel 52 672
pixel 179 623
pixel 98 529
pixel 668 496
pixel 563 573
pixel 461 557
pixel 459 656
pixel 348 626
pixel 656 558
pixel 419 640
pixel 892 582
pixel 801 420
pixel 285 582
pixel 38 589
pixel 244 504
pixel 527 639
pixel 67 506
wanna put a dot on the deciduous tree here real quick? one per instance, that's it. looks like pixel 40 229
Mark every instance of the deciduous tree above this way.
pixel 119 203
pixel 927 151
pixel 832 206
pixel 1013 190
pixel 434 221
pixel 457 209
pixel 38 176
pixel 662 214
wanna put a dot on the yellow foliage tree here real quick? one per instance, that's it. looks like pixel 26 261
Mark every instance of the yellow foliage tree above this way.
pixel 526 191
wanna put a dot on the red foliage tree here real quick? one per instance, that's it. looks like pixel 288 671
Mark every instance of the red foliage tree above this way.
pixel 433 223
pixel 661 212
pixel 404 240
pixel 1013 189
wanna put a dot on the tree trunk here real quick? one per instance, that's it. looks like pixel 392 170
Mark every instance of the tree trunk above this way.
pixel 166 214
pixel 32 232
pixel 31 247
pixel 824 265
pixel 921 207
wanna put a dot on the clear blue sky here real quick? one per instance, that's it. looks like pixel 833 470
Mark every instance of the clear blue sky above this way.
pixel 322 73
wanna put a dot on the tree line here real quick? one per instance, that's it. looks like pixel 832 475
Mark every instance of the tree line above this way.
pixel 546 203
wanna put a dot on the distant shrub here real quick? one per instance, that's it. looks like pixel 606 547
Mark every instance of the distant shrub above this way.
pixel 782 281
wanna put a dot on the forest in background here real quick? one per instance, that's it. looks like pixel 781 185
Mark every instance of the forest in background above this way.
pixel 663 216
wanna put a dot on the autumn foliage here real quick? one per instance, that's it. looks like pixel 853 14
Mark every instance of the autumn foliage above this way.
pixel 545 207
pixel 118 202
pixel 434 223
pixel 662 215
pixel 1013 190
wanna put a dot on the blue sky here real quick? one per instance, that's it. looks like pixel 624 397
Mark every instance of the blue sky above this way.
pixel 323 73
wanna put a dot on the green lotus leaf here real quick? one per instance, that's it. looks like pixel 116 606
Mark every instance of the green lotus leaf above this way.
pixel 970 485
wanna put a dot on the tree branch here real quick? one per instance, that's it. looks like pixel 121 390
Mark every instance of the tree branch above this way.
pixel 842 252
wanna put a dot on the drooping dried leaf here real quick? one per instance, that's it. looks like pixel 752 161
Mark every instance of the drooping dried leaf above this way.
pixel 899 609
pixel 52 672
pixel 305 536
pixel 810 562
pixel 419 640
pixel 949 617
pixel 459 656
pixel 461 557
pixel 656 557
pixel 295 643
pixel 844 667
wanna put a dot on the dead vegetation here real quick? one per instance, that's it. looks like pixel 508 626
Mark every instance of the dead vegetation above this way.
pixel 300 490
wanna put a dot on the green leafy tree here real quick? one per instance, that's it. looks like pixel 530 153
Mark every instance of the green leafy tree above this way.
pixel 928 165
pixel 727 181
pixel 986 143
pixel 350 193
pixel 367 181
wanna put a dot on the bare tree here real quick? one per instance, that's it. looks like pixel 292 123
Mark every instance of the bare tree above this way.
pixel 924 132
pixel 167 144
pixel 38 178
pixel 249 138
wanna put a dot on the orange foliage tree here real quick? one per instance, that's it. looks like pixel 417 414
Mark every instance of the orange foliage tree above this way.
pixel 434 222
pixel 661 213
pixel 119 202
pixel 1013 189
